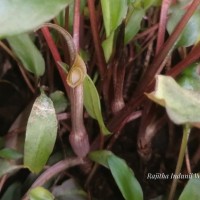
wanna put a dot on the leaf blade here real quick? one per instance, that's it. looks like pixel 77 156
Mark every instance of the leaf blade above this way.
pixel 8 153
pixel 7 167
pixel 191 190
pixel 180 103
pixel 123 175
pixel 92 103
pixel 133 24
pixel 113 15
pixel 32 14
pixel 40 193
pixel 40 134
pixel 27 53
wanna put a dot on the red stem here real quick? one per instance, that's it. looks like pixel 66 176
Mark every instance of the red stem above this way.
pixel 191 58
pixel 56 55
pixel 76 27
pixel 96 39
pixel 162 24
pixel 156 67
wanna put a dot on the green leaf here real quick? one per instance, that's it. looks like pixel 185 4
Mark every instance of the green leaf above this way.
pixel 41 133
pixel 149 3
pixel 133 23
pixel 123 175
pixel 40 193
pixel 27 53
pixel 114 11
pixel 69 190
pixel 182 105
pixel 190 78
pixel 7 167
pixel 59 101
pixel 191 190
pixel 10 154
pixel 92 103
pixel 108 46
pixel 187 37
pixel 21 16
pixel 13 192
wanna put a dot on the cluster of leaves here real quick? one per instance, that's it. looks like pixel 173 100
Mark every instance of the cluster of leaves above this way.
pixel 42 123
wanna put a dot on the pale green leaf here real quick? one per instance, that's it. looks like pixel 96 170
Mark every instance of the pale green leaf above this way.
pixel 182 105
pixel 114 11
pixel 133 23
pixel 27 53
pixel 40 193
pixel 18 16
pixel 92 103
pixel 191 190
pixel 59 101
pixel 10 154
pixel 108 46
pixel 122 174
pixel 41 133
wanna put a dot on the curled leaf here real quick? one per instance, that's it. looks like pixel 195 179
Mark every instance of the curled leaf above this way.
pixel 77 72
pixel 182 105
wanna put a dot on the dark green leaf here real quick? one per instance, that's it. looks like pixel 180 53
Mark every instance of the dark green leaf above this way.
pixel 92 103
pixel 7 167
pixel 114 11
pixel 59 101
pixel 191 190
pixel 182 105
pixel 123 175
pixel 40 134
pixel 40 193
pixel 27 53
pixel 69 190
pixel 133 23
pixel 10 154
pixel 21 16
pixel 13 192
